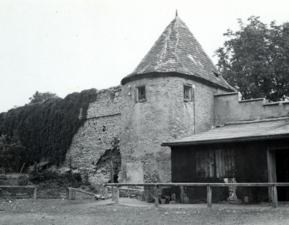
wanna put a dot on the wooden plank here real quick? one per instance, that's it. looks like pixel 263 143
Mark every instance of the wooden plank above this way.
pixel 79 190
pixel 209 196
pixel 271 164
pixel 204 184
pixel 210 163
pixel 9 186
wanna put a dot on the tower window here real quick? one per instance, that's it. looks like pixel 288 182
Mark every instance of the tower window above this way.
pixel 141 94
pixel 188 93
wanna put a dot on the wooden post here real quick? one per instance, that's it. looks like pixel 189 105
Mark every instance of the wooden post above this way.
pixel 209 196
pixel 271 164
pixel 112 180
pixel 274 197
pixel 156 196
pixel 117 195
pixel 35 193
pixel 67 194
pixel 73 194
pixel 105 192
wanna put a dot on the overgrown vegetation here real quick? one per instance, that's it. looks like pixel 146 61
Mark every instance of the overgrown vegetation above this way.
pixel 11 154
pixel 67 179
pixel 45 129
pixel 41 97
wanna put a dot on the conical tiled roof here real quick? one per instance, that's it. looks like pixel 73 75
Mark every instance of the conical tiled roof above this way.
pixel 177 51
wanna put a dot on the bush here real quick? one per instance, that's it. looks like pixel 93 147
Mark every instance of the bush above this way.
pixel 22 180
pixel 46 129
pixel 67 179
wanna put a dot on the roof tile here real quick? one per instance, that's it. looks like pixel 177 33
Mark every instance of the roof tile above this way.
pixel 178 51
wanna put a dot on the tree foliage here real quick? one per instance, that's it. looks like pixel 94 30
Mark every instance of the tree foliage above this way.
pixel 11 153
pixel 46 129
pixel 255 59
pixel 40 97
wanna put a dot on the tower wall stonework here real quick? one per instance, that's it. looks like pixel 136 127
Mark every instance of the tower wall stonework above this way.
pixel 140 128
pixel 96 136
pixel 163 116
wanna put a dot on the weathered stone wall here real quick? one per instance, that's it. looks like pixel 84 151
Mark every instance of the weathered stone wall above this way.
pixel 228 108
pixel 163 116
pixel 141 127
pixel 99 133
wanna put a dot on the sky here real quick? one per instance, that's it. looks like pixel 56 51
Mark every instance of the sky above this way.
pixel 66 46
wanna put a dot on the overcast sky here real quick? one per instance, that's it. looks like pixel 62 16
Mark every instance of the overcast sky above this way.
pixel 66 46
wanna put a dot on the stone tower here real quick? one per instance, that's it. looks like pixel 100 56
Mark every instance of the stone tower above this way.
pixel 168 96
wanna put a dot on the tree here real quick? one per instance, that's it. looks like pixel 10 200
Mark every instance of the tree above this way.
pixel 40 97
pixel 255 60
pixel 11 153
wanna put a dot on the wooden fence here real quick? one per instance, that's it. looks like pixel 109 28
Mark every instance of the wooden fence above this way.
pixel 71 193
pixel 271 186
pixel 25 187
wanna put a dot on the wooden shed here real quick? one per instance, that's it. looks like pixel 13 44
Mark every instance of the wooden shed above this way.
pixel 243 152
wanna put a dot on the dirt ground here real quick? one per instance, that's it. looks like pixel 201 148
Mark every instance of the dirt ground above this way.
pixel 58 211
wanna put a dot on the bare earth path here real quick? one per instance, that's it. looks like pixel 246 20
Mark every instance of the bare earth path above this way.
pixel 56 211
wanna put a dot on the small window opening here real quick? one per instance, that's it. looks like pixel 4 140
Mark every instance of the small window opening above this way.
pixel 188 93
pixel 141 93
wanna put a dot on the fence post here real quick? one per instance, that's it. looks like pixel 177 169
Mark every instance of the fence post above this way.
pixel 117 195
pixel 73 195
pixel 35 193
pixel 274 197
pixel 67 193
pixel 156 196
pixel 209 196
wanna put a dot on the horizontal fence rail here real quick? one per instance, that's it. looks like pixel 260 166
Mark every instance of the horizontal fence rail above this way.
pixel 272 189
pixel 71 192
pixel 25 187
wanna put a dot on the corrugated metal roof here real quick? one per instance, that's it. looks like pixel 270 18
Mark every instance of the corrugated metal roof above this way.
pixel 178 51
pixel 243 131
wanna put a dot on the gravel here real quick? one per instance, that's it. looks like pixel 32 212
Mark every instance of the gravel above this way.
pixel 58 211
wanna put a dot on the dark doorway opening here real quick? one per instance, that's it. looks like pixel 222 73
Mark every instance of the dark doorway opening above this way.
pixel 282 173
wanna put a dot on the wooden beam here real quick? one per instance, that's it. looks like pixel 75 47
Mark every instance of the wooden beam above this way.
pixel 82 191
pixel 156 196
pixel 117 195
pixel 67 194
pixel 274 197
pixel 209 196
pixel 9 186
pixel 35 193
pixel 204 184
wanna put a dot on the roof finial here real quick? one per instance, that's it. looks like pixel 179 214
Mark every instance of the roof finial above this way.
pixel 176 13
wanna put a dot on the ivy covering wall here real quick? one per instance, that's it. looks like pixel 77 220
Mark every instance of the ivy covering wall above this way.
pixel 46 129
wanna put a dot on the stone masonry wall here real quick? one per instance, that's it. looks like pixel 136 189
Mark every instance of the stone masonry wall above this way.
pixel 163 116
pixel 100 132
pixel 228 108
